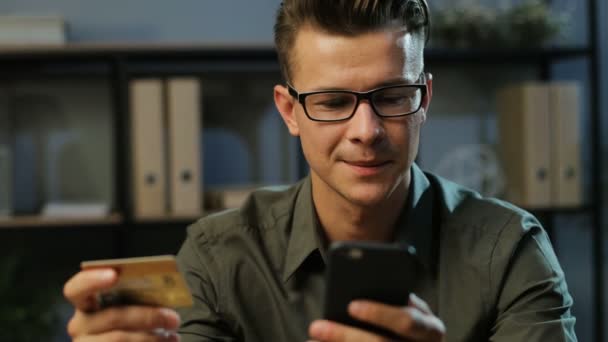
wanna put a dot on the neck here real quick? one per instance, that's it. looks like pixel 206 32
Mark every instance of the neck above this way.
pixel 342 219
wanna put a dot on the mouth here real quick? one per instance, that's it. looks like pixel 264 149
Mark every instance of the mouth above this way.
pixel 369 163
pixel 367 167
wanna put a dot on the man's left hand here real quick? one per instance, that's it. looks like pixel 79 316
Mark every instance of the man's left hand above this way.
pixel 414 322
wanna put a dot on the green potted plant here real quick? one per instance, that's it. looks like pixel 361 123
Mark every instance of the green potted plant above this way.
pixel 28 305
pixel 529 24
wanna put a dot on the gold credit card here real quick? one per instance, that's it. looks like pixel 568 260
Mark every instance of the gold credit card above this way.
pixel 153 280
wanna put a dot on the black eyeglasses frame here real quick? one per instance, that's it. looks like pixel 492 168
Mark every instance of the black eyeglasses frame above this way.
pixel 366 95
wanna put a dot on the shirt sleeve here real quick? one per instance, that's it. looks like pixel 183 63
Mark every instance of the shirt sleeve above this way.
pixel 533 303
pixel 203 321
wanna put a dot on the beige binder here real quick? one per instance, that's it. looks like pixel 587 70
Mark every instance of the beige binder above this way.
pixel 566 143
pixel 524 143
pixel 148 149
pixel 184 119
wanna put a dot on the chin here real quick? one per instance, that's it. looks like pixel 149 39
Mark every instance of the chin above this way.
pixel 368 195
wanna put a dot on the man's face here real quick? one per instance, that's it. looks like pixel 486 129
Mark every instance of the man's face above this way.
pixel 365 158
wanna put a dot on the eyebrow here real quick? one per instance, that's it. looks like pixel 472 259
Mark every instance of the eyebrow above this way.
pixel 396 81
pixel 390 82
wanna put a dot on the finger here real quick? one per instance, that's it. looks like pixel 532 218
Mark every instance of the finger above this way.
pixel 327 331
pixel 80 290
pixel 132 318
pixel 417 302
pixel 409 322
pixel 128 336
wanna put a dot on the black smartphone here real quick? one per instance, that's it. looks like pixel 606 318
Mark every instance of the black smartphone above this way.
pixel 364 270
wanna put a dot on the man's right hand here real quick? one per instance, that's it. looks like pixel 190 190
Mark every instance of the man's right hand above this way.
pixel 123 323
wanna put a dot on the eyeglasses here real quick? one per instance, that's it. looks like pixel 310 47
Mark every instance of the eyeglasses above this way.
pixel 340 105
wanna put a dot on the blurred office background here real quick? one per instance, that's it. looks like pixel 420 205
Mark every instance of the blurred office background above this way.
pixel 58 119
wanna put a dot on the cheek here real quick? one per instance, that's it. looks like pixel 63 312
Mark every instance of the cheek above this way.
pixel 414 121
pixel 407 129
pixel 404 137
pixel 318 140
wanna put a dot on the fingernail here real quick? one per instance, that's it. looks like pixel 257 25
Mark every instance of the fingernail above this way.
pixel 171 317
pixel 318 329
pixel 172 337
pixel 356 307
pixel 105 274
pixel 166 335
pixel 414 298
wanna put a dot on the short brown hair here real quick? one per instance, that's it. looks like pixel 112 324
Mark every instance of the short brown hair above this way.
pixel 347 17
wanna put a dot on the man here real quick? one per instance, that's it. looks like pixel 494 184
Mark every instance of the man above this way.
pixel 356 95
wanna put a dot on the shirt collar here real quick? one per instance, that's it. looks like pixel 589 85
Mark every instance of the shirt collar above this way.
pixel 305 236
pixel 415 225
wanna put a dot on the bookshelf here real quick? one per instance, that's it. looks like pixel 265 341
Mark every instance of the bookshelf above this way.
pixel 116 65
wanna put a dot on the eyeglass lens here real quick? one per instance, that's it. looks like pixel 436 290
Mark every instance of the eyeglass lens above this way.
pixel 392 101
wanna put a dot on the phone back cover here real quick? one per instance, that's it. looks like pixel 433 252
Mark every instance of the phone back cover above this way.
pixel 378 272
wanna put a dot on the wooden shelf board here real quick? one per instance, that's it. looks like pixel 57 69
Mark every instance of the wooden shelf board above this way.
pixel 506 56
pixel 34 221
pixel 132 47
pixel 168 218
pixel 264 49
pixel 41 221
pixel 102 51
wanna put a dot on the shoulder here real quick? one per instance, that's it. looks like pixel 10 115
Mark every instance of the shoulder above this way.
pixel 218 244
pixel 487 233
pixel 488 239
pixel 466 209
pixel 262 210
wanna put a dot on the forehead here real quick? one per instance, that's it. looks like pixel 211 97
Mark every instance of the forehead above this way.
pixel 328 59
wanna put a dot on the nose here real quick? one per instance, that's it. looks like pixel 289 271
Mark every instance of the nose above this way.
pixel 365 127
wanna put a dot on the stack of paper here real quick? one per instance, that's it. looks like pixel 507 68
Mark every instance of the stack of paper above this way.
pixel 75 209
pixel 27 30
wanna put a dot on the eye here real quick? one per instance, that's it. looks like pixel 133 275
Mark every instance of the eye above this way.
pixel 337 102
pixel 392 100
pixel 331 101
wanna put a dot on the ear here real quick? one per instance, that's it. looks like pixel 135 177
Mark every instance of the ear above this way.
pixel 429 93
pixel 286 106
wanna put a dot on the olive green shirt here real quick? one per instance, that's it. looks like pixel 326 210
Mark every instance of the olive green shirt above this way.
pixel 490 273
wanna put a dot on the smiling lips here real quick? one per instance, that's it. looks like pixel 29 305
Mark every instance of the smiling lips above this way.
pixel 367 168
